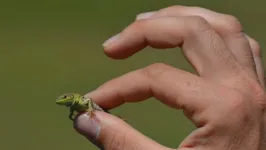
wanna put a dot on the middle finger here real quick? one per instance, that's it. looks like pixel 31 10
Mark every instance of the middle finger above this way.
pixel 227 26
pixel 203 47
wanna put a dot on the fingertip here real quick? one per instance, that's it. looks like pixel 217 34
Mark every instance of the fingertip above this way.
pixel 111 47
pixel 87 126
pixel 111 40
pixel 123 50
pixel 115 53
pixel 124 44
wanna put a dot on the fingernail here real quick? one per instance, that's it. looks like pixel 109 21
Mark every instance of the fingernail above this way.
pixel 88 127
pixel 111 40
pixel 145 15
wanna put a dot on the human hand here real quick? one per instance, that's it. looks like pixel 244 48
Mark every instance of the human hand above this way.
pixel 225 100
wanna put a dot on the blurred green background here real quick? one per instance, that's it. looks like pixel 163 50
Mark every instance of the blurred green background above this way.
pixel 51 47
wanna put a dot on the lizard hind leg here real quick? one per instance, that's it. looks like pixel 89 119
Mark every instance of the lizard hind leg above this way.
pixel 90 112
pixel 90 109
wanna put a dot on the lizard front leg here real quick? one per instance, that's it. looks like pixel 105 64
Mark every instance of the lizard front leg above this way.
pixel 71 113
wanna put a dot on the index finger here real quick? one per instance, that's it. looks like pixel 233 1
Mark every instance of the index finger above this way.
pixel 176 88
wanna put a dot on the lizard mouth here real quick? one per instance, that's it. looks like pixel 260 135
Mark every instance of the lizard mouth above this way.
pixel 60 102
pixel 63 102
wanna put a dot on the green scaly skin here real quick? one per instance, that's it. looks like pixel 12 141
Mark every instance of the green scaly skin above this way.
pixel 78 103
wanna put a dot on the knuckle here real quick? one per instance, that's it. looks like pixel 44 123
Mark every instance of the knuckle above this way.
pixel 155 70
pixel 135 27
pixel 175 9
pixel 198 23
pixel 243 104
pixel 257 94
pixel 238 105
pixel 198 20
pixel 117 142
pixel 233 24
pixel 170 9
pixel 237 102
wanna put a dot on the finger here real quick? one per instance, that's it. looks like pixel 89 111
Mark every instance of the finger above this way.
pixel 109 132
pixel 159 80
pixel 257 59
pixel 175 88
pixel 227 26
pixel 200 43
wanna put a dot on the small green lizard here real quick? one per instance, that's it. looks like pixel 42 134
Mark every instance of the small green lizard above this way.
pixel 78 103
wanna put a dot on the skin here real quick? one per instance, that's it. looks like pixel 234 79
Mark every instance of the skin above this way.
pixel 225 99
pixel 78 103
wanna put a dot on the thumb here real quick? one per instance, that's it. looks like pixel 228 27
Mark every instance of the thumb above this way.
pixel 111 133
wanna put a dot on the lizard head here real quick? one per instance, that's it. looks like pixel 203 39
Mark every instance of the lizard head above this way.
pixel 66 99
